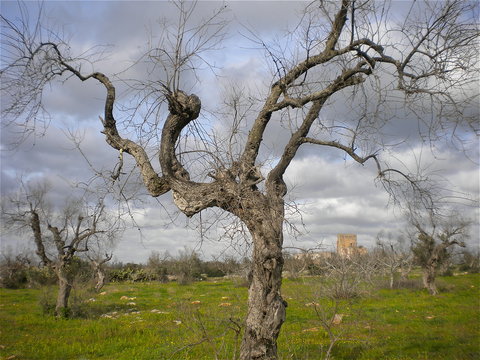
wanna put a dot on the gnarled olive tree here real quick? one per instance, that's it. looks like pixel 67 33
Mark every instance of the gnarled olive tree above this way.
pixel 432 236
pixel 361 53
pixel 59 235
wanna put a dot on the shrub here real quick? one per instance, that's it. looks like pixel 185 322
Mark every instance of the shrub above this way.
pixel 213 269
pixel 470 262
pixel 13 278
pixel 122 274
pixel 157 274
pixel 133 274
pixel 187 267
pixel 41 276
pixel 447 272
pixel 13 271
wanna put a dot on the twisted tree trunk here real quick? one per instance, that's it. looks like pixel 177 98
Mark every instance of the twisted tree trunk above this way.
pixel 266 307
pixel 432 264
pixel 392 279
pixel 64 289
pixel 101 279
pixel 98 269
pixel 429 279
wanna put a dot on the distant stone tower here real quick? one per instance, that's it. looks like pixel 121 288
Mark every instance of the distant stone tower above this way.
pixel 346 244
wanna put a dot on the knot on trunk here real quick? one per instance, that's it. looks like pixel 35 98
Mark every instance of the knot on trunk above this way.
pixel 189 208
pixel 179 103
pixel 270 264
pixel 280 188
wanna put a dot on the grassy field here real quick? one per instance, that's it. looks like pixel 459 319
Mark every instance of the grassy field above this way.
pixel 202 320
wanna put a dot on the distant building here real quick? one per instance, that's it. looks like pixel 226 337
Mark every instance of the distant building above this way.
pixel 347 245
pixel 313 257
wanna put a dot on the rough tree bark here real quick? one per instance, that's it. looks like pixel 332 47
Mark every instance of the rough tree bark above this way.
pixel 266 307
pixel 101 279
pixel 429 279
pixel 65 282
pixel 431 266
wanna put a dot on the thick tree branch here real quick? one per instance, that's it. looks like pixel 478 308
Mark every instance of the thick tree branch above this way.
pixel 38 239
pixel 57 240
pixel 255 135
pixel 58 65
pixel 347 78
pixel 337 27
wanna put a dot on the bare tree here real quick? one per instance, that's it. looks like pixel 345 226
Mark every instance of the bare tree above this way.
pixel 99 269
pixel 393 257
pixel 341 53
pixel 349 274
pixel 433 235
pixel 470 260
pixel 186 266
pixel 58 236
pixel 295 264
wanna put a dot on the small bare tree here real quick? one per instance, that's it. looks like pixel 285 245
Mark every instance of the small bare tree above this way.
pixel 348 276
pixel 186 266
pixel 393 257
pixel 60 235
pixel 98 267
pixel 350 54
pixel 471 260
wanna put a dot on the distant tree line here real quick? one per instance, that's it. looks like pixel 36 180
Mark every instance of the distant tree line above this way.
pixel 185 268
pixel 385 262
pixel 23 271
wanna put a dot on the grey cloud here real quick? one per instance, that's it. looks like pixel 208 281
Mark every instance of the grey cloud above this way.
pixel 55 153
pixel 74 102
pixel 317 177
pixel 266 16
pixel 321 179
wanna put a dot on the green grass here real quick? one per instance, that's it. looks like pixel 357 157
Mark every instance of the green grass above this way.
pixel 385 324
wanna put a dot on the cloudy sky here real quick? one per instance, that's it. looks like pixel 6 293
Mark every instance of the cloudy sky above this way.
pixel 333 193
